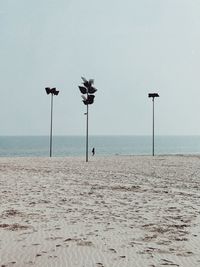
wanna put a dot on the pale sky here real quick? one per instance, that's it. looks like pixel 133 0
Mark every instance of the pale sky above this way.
pixel 129 47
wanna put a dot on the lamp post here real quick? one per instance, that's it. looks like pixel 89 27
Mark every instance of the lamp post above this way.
pixel 88 98
pixel 153 95
pixel 53 92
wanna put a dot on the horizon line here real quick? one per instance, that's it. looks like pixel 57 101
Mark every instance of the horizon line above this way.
pixel 82 135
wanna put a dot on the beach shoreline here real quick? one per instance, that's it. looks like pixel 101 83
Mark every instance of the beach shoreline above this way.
pixel 112 211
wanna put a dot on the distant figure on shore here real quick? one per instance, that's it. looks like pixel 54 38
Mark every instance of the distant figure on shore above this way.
pixel 93 151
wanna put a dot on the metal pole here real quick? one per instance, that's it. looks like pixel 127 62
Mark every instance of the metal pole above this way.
pixel 51 125
pixel 87 135
pixel 153 127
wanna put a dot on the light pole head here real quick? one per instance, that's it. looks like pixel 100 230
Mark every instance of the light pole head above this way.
pixel 83 90
pixel 89 90
pixel 56 92
pixel 48 90
pixel 153 95
pixel 52 91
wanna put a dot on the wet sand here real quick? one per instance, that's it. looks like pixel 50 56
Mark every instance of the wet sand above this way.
pixel 121 211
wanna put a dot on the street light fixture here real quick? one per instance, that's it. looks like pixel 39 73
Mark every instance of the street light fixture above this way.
pixel 153 95
pixel 53 92
pixel 88 98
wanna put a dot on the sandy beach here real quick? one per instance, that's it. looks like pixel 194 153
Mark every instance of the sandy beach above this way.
pixel 123 211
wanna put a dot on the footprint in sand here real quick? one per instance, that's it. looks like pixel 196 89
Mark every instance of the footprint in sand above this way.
pixel 168 262
pixel 113 250
pixel 122 257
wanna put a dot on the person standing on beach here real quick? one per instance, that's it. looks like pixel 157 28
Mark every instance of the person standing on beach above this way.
pixel 93 151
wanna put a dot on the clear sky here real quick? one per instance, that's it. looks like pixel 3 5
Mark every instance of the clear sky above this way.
pixel 129 47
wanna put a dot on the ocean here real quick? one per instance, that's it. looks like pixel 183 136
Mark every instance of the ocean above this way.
pixel 38 146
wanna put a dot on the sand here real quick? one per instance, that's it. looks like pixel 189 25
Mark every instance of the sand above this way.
pixel 113 211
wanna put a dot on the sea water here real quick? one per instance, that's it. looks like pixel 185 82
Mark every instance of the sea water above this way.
pixel 38 146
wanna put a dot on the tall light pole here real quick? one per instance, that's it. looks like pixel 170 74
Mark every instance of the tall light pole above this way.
pixel 153 95
pixel 88 98
pixel 53 92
